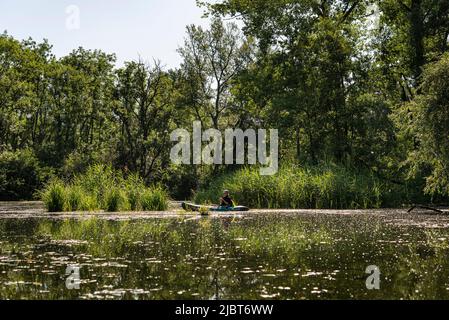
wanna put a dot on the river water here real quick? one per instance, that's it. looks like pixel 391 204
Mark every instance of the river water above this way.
pixel 259 255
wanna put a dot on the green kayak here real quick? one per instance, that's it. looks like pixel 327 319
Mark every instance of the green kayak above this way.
pixel 197 208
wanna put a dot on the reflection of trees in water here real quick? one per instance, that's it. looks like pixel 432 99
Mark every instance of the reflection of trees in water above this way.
pixel 216 285
pixel 205 258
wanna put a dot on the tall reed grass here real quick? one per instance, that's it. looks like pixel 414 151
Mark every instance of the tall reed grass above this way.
pixel 328 187
pixel 102 188
pixel 55 196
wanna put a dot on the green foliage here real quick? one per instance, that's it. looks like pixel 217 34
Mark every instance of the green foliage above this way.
pixel 373 131
pixel 81 160
pixel 20 175
pixel 324 187
pixel 426 121
pixel 210 57
pixel 328 74
pixel 412 33
pixel 144 108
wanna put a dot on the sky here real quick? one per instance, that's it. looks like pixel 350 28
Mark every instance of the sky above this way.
pixel 149 29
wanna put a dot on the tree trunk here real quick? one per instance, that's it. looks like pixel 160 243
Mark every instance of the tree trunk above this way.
pixel 298 143
pixel 417 38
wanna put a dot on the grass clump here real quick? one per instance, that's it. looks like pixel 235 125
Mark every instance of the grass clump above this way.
pixel 76 198
pixel 55 196
pixel 115 200
pixel 154 200
pixel 135 187
pixel 204 211
pixel 102 188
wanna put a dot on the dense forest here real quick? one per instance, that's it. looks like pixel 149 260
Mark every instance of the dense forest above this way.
pixel 355 87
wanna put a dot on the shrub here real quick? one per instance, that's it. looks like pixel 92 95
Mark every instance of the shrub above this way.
pixel 20 175
pixel 81 160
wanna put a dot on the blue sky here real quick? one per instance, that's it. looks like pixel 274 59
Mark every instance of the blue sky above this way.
pixel 130 28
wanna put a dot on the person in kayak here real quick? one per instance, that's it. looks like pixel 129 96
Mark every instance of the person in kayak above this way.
pixel 226 200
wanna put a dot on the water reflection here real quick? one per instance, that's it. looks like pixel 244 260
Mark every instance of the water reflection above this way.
pixel 261 256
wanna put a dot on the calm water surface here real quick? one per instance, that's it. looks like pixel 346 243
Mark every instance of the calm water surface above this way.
pixel 262 255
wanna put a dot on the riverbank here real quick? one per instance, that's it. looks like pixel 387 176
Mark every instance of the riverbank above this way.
pixel 328 186
pixel 36 209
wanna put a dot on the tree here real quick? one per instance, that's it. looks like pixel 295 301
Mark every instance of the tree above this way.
pixel 144 108
pixel 81 92
pixel 311 49
pixel 211 61
pixel 413 33
pixel 23 90
pixel 429 124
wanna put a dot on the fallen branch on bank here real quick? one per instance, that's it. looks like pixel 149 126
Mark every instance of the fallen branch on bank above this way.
pixel 426 208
